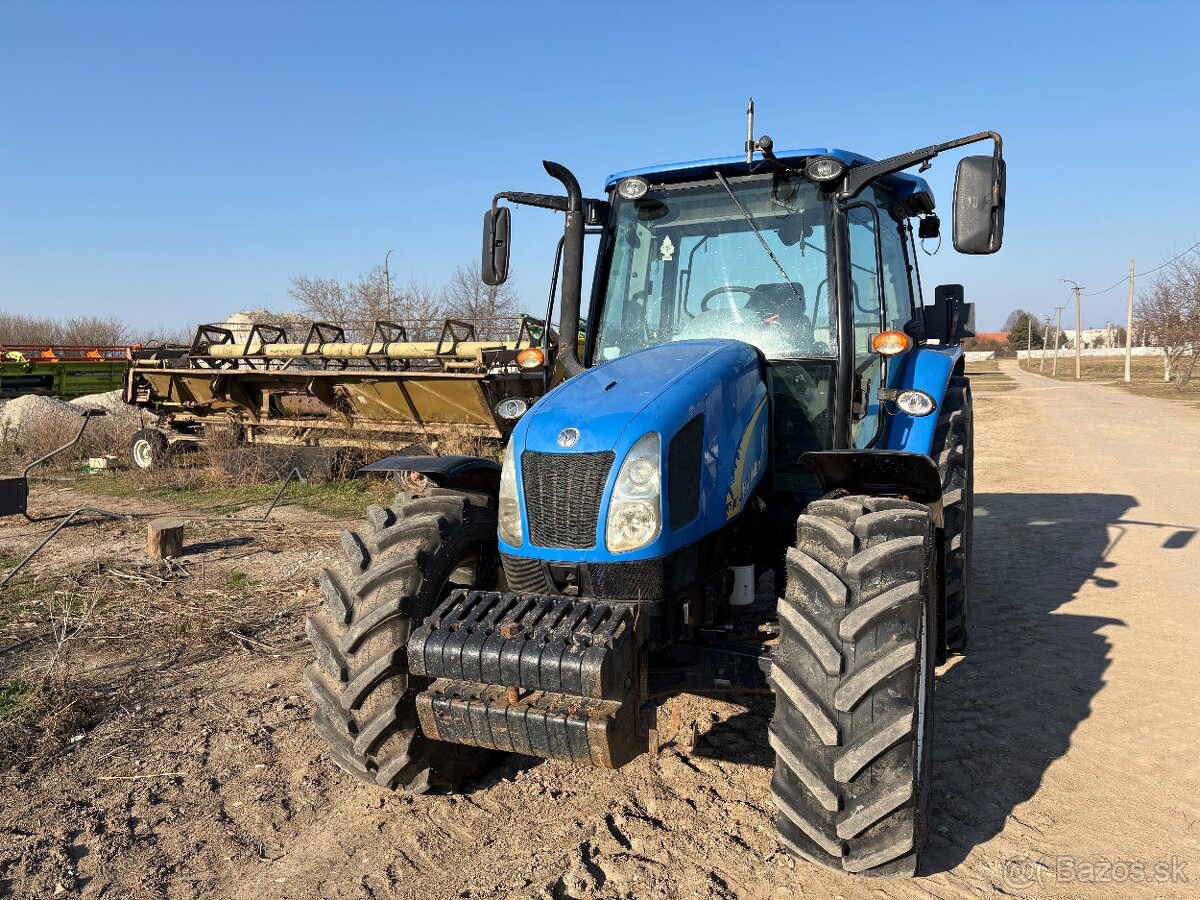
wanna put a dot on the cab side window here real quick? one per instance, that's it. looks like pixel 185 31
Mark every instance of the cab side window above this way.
pixel 897 287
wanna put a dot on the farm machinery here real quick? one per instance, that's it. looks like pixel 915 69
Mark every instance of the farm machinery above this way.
pixel 757 477
pixel 65 371
pixel 315 396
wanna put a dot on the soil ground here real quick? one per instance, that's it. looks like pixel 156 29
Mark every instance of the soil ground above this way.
pixel 168 752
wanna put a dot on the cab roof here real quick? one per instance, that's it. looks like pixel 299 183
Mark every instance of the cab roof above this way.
pixel 904 185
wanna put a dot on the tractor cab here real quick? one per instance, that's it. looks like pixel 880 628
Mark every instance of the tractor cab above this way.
pixel 703 251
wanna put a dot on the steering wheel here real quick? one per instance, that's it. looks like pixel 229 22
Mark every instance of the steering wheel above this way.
pixel 723 289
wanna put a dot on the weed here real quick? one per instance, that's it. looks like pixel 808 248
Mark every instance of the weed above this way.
pixel 238 580
pixel 13 697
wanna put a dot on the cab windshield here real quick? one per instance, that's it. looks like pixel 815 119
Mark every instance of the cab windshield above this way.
pixel 689 262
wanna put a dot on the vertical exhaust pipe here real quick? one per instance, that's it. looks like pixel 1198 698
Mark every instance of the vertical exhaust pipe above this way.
pixel 572 270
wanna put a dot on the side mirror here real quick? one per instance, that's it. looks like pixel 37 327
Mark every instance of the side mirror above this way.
pixel 494 266
pixel 978 209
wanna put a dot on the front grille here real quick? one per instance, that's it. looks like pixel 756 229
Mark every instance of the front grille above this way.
pixel 683 473
pixel 634 580
pixel 562 496
pixel 524 574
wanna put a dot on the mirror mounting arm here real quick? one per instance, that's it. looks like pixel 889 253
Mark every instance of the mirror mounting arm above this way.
pixel 521 198
pixel 859 177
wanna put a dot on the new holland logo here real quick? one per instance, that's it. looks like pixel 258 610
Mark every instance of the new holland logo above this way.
pixel 568 437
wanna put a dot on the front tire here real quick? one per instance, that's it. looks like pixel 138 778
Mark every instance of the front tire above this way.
pixel 396 571
pixel 954 446
pixel 853 679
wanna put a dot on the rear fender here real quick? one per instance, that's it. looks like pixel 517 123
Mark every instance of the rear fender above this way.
pixel 928 369
pixel 468 473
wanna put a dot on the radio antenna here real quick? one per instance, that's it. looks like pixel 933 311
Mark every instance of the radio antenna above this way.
pixel 750 131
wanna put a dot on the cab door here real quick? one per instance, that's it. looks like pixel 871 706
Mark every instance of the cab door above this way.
pixel 881 300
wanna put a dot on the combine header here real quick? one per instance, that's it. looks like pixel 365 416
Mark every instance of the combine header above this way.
pixel 60 371
pixel 325 391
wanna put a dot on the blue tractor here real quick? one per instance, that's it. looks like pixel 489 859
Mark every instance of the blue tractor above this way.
pixel 753 473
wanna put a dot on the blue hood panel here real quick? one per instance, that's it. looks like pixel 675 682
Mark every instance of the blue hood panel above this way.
pixel 603 400
pixel 660 389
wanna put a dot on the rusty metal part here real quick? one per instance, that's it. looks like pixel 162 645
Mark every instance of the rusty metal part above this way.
pixel 601 733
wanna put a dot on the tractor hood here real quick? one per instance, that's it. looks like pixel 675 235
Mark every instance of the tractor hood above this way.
pixel 705 399
pixel 602 401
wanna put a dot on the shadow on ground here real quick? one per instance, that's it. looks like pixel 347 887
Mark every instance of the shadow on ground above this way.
pixel 1006 709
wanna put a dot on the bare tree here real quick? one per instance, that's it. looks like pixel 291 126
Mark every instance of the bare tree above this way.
pixel 91 331
pixel 1170 313
pixel 494 307
pixel 108 330
pixel 358 304
pixel 422 310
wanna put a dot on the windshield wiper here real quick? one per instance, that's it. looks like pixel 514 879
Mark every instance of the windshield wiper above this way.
pixel 758 234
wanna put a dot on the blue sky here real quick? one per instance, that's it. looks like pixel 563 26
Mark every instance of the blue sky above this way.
pixel 175 162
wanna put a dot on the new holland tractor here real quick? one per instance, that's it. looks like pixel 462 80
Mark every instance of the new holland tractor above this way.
pixel 754 475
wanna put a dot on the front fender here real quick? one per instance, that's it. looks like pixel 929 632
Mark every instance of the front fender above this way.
pixel 879 473
pixel 470 473
pixel 928 369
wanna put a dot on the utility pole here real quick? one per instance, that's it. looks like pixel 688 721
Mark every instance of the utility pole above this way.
pixel 387 281
pixel 1057 336
pixel 1029 340
pixel 1078 328
pixel 1129 324
pixel 1045 341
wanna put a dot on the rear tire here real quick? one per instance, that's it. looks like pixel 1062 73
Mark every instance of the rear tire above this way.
pixel 396 571
pixel 954 447
pixel 853 679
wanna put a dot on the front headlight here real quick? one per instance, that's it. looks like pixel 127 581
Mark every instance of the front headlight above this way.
pixel 634 517
pixel 510 508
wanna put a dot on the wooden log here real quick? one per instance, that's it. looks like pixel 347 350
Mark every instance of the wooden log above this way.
pixel 164 538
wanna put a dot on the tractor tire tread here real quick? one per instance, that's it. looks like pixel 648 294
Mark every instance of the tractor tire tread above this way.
pixel 859 591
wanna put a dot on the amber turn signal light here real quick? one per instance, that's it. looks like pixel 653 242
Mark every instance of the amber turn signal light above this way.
pixel 889 343
pixel 531 358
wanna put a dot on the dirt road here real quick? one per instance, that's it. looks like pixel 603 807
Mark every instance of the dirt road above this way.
pixel 1065 738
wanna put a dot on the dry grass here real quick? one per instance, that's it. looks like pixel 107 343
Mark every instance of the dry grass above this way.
pixel 982 366
pixel 1146 374
pixel 79 645
pixel 83 642
pixel 103 435
pixel 986 377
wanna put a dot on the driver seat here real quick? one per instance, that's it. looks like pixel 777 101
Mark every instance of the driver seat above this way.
pixel 777 299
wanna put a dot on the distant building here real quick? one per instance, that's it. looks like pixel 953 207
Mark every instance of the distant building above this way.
pixel 999 337
pixel 1094 338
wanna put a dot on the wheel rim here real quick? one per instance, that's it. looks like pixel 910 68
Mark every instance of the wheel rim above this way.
pixel 143 454
pixel 465 575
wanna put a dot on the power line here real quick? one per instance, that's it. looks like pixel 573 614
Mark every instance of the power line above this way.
pixel 1125 279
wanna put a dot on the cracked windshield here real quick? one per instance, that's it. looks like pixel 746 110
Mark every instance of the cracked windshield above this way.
pixel 692 262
